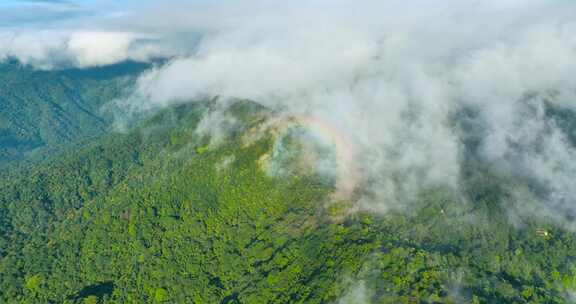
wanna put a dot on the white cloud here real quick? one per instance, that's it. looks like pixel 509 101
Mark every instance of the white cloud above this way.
pixel 99 48
pixel 53 49
pixel 391 76
pixel 388 75
pixel 358 294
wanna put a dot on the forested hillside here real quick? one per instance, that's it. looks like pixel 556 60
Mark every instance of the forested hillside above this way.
pixel 41 112
pixel 283 152
pixel 170 214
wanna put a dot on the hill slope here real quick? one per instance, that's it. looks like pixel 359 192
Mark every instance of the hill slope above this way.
pixel 166 214
pixel 43 111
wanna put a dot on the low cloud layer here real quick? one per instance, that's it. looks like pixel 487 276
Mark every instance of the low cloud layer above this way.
pixel 65 34
pixel 396 79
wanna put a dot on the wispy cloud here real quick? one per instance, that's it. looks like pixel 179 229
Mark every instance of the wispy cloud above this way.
pixel 392 77
pixel 389 75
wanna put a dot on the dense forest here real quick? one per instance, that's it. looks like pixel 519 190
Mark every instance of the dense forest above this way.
pixel 42 112
pixel 284 152
pixel 166 213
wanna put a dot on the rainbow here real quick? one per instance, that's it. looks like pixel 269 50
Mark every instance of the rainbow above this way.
pixel 347 177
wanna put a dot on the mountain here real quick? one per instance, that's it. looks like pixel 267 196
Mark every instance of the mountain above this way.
pixel 294 152
pixel 174 212
pixel 42 112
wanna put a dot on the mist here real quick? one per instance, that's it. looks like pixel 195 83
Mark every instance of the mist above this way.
pixel 394 79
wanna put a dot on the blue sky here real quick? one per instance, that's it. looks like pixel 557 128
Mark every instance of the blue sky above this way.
pixel 22 13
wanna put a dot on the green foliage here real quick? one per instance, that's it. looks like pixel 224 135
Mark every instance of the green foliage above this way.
pixel 117 212
pixel 153 216
pixel 33 283
pixel 42 112
pixel 91 300
pixel 160 295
